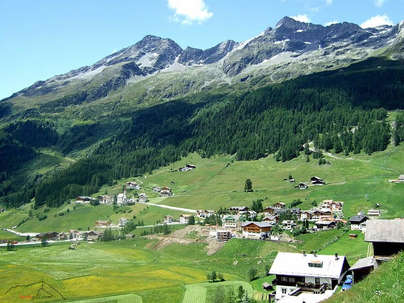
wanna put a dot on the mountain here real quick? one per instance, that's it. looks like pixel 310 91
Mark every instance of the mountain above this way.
pixel 157 69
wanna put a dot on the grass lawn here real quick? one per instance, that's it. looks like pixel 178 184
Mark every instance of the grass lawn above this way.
pixel 5 235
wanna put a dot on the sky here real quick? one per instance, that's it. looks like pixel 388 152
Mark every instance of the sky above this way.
pixel 43 38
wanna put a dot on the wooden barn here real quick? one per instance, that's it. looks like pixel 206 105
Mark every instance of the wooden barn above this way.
pixel 386 236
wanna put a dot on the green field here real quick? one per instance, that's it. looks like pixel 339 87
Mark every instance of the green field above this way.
pixel 132 267
pixel 4 235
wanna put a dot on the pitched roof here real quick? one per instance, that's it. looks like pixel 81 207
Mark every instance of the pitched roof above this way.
pixel 259 224
pixel 385 231
pixel 362 263
pixel 294 264
pixel 358 219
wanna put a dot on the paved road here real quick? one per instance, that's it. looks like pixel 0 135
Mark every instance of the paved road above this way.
pixel 20 234
pixel 37 242
pixel 186 210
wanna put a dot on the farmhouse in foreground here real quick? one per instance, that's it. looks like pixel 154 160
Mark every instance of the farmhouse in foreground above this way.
pixel 307 277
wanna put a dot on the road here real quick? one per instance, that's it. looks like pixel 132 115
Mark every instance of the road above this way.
pixel 38 242
pixel 20 234
pixel 161 224
pixel 186 210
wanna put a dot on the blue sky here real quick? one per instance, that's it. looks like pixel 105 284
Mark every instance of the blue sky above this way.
pixel 42 38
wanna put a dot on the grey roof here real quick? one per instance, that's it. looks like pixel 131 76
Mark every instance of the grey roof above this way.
pixel 358 219
pixel 363 263
pixel 401 177
pixel 293 264
pixel 260 224
pixel 385 231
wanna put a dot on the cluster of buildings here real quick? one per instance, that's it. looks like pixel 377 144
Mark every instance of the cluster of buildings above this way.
pixel 400 179
pixel 70 235
pixel 313 181
pixel 163 191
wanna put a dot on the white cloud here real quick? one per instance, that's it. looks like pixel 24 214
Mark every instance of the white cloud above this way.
pixel 377 21
pixel 331 23
pixel 328 2
pixel 380 3
pixel 301 18
pixel 188 11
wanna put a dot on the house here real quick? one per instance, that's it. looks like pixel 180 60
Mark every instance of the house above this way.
pixel 102 224
pixel 362 268
pixel 325 225
pixel 399 180
pixel 270 210
pixel 288 224
pixel 142 198
pixel 121 198
pixel 238 209
pixel 317 181
pixel 229 222
pixel 123 222
pixel 91 235
pixel 305 215
pixel 156 189
pixel 84 200
pixel 187 167
pixel 74 234
pixel 333 205
pixel 302 186
pixel 386 236
pixel 168 219
pixel 273 219
pixel 256 230
pixel 223 235
pixel 166 192
pixel 132 185
pixel 373 213
pixel 105 199
pixel 184 219
pixel 48 236
pixel 298 274
pixel 279 205
pixel 204 213
pixel 358 222
pixel 295 211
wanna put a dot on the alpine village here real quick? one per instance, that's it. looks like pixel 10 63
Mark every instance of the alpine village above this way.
pixel 269 170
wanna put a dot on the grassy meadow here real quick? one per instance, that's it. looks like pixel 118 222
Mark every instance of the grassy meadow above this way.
pixel 112 271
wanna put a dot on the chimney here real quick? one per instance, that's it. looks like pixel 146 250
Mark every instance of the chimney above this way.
pixel 336 256
pixel 304 253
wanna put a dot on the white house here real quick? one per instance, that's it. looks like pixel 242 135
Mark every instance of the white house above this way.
pixel 306 273
pixel 229 222
pixel 132 185
pixel 121 198
pixel 358 222
pixel 168 219
pixel 184 219
pixel 106 199
pixel 143 198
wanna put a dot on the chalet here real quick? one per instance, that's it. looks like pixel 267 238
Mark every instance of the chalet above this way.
pixel 288 224
pixel 223 235
pixel 229 222
pixel 91 235
pixel 132 185
pixel 270 210
pixel 121 198
pixel 48 236
pixel 184 219
pixel 373 213
pixel 156 189
pixel 238 208
pixel 279 205
pixel 166 192
pixel 256 229
pixel 317 181
pixel 362 268
pixel 299 274
pixel 305 215
pixel 302 186
pixel 273 219
pixel 325 225
pixel 203 214
pixel 142 198
pixel 386 236
pixel 105 199
pixel 102 224
pixel 123 222
pixel 333 205
pixel 168 219
pixel 187 167
pixel 84 200
pixel 295 211
pixel 399 180
pixel 74 234
pixel 358 222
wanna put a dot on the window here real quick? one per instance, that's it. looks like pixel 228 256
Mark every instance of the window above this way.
pixel 284 279
pixel 317 281
pixel 316 264
pixel 284 291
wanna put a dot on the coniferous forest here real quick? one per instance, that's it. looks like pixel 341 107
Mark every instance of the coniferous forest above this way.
pixel 342 111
